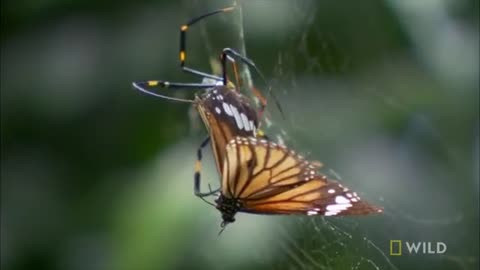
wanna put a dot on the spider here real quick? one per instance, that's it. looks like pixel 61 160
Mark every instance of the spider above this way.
pixel 225 112
pixel 210 81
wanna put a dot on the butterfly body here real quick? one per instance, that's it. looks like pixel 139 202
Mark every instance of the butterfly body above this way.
pixel 228 207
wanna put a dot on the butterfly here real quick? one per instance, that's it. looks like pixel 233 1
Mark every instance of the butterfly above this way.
pixel 225 112
pixel 262 177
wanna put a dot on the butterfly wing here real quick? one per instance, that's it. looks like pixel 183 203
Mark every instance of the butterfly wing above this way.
pixel 318 196
pixel 271 179
pixel 226 114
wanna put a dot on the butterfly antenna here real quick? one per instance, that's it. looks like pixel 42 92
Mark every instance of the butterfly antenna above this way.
pixel 222 226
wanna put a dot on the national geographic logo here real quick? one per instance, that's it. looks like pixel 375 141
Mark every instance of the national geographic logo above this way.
pixel 417 247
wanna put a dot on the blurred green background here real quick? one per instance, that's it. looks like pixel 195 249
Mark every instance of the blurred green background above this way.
pixel 95 175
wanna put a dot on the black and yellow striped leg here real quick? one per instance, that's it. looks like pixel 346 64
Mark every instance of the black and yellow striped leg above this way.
pixel 143 87
pixel 198 168
pixel 183 44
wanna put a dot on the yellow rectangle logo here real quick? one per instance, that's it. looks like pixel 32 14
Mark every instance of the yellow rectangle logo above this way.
pixel 395 247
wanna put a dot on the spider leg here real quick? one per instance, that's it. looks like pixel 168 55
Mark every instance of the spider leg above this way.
pixel 145 85
pixel 197 177
pixel 183 43
pixel 225 56
pixel 229 54
pixel 235 72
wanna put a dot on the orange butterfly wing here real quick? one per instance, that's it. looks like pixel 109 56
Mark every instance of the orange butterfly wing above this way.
pixel 270 179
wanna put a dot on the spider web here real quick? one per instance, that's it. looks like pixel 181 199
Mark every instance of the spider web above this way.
pixel 341 78
pixel 385 93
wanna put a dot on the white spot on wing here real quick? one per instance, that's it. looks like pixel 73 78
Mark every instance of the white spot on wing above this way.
pixel 237 116
pixel 334 209
pixel 246 125
pixel 341 204
pixel 218 110
pixel 331 191
pixel 226 108
pixel 341 200
pixel 311 212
